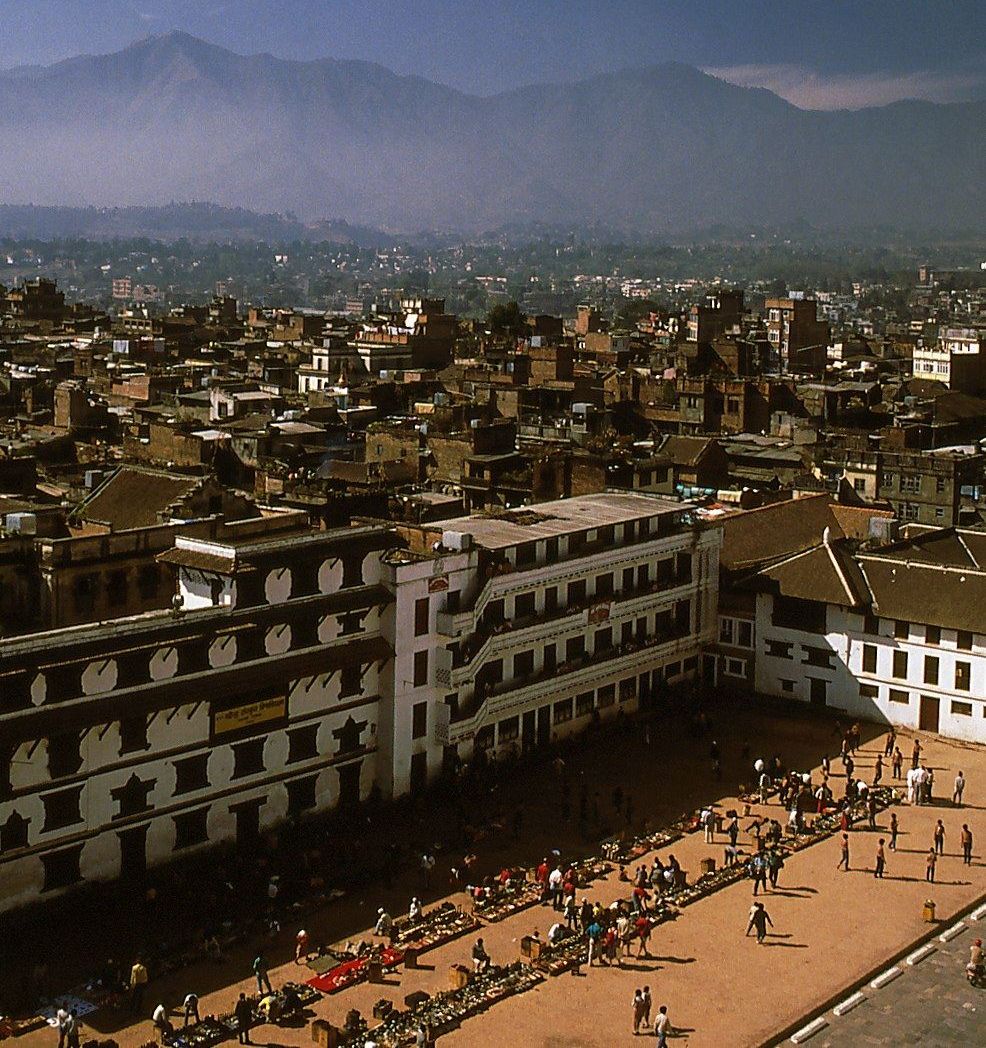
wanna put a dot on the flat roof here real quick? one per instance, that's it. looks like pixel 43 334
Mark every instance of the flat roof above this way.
pixel 562 517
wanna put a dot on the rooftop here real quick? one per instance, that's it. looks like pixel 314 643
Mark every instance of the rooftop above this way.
pixel 549 519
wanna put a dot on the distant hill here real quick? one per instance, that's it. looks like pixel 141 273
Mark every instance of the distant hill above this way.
pixel 194 221
pixel 663 149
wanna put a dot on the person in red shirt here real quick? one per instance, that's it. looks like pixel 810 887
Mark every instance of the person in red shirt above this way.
pixel 642 924
pixel 640 898
pixel 541 876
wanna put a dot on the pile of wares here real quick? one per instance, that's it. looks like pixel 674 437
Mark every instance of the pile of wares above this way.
pixel 445 1011
pixel 439 926
pixel 510 900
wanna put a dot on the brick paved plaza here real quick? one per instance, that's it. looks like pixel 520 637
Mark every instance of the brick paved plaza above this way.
pixel 830 927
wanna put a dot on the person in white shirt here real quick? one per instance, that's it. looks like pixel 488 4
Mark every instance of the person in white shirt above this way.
pixel 959 789
pixel 662 1026
pixel 161 1021
pixel 191 1003
pixel 554 887
pixel 61 1019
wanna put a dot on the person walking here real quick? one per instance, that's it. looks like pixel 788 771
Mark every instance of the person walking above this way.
pixel 662 1026
pixel 301 944
pixel 244 1017
pixel 896 762
pixel 932 861
pixel 916 753
pixel 888 748
pixel 759 919
pixel 844 860
pixel 72 1032
pixel 642 927
pixel 260 971
pixel 939 845
pixel 61 1020
pixel 966 839
pixel 191 1004
pixel 708 824
pixel 647 1006
pixel 758 871
pixel 878 770
pixel 894 829
pixel 138 986
pixel 775 863
pixel 881 860
pixel 638 1010
pixel 958 790
pixel 593 933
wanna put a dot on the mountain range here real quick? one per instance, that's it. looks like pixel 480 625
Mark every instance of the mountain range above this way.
pixel 656 150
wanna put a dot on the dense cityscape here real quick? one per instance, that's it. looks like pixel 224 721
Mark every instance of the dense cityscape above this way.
pixel 435 637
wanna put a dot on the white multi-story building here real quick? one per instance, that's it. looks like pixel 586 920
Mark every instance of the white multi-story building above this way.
pixel 956 358
pixel 896 635
pixel 514 629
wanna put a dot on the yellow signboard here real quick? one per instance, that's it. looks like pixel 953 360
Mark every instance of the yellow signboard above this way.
pixel 253 713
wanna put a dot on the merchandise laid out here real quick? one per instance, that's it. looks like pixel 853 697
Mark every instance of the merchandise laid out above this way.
pixel 267 1008
pixel 356 969
pixel 433 929
pixel 444 1011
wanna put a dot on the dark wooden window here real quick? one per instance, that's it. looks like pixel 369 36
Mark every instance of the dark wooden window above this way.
pixel 133 734
pixel 61 868
pixel 419 720
pixel 523 664
pixel 550 599
pixel 869 658
pixel 13 833
pixel 902 630
pixel 191 773
pixel 604 586
pixel 422 607
pixel 963 676
pixel 602 641
pixel 421 668
pixel 64 757
pixel 191 828
pixel 523 605
pixel 301 795
pixel 576 593
pixel 302 743
pixel 551 550
pixel 932 635
pixel 900 665
pixel 930 669
pixel 62 808
pixel 248 758
pixel 550 658
pixel 574 648
pixel 963 640
pixel 350 681
pixel 116 589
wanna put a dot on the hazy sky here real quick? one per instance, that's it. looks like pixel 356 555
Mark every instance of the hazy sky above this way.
pixel 817 53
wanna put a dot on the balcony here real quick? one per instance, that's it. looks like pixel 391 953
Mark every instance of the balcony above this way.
pixel 475 648
pixel 543 684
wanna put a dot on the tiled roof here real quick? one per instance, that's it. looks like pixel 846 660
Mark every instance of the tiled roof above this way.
pixel 132 497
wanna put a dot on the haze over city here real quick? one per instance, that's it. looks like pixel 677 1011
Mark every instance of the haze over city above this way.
pixel 492 523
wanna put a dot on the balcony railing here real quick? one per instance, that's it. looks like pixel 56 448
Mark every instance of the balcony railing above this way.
pixel 565 671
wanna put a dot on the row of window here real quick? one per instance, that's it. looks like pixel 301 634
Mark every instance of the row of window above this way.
pixel 582 705
pixel 604 640
pixel 903 698
pixel 737 633
pixel 192 773
pixel 667 572
pixel 62 867
pixel 931 668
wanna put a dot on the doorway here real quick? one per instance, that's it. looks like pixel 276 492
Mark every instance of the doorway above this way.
pixel 349 779
pixel 527 739
pixel 544 726
pixel 133 853
pixel 817 691
pixel 419 772
pixel 248 823
pixel 928 718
